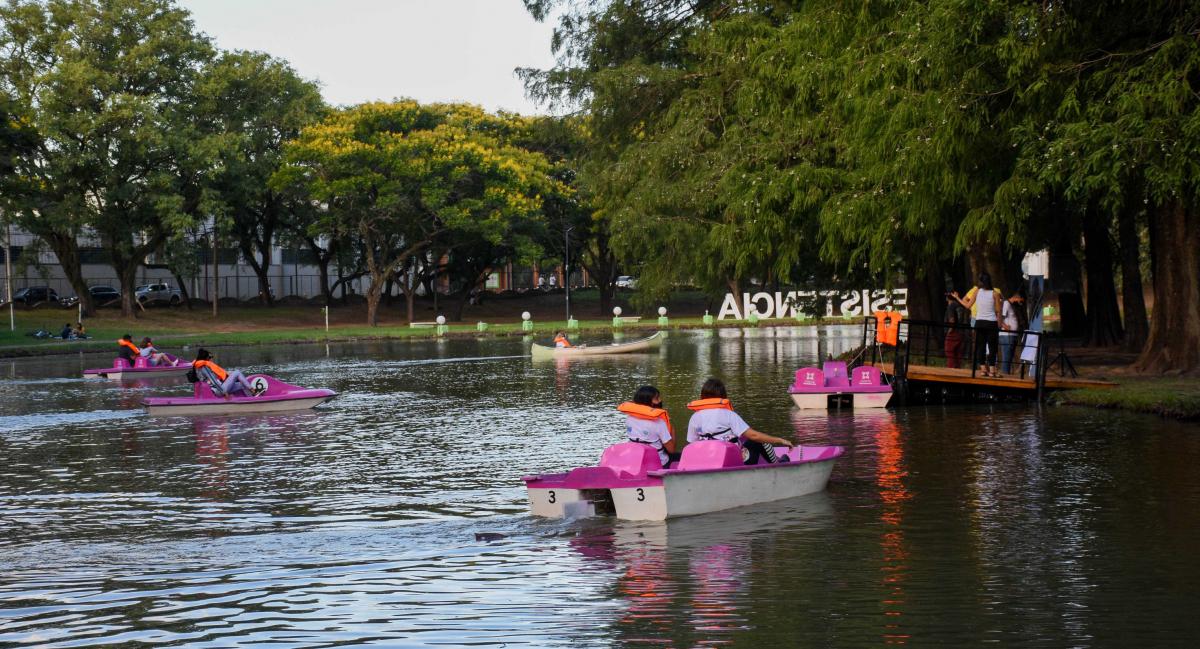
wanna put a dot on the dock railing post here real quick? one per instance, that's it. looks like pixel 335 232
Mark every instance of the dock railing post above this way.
pixel 974 348
pixel 927 332
pixel 1040 376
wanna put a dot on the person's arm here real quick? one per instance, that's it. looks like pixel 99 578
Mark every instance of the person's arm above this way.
pixel 664 436
pixel 998 302
pixel 967 301
pixel 763 438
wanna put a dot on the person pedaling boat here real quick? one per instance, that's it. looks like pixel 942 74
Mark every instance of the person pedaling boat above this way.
pixel 715 419
pixel 127 349
pixel 647 423
pixel 561 340
pixel 222 382
pixel 156 357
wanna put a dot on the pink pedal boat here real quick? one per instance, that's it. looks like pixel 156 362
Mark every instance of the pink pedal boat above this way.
pixel 277 397
pixel 820 388
pixel 631 483
pixel 140 369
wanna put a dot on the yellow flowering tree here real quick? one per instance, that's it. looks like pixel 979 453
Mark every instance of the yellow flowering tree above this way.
pixel 401 177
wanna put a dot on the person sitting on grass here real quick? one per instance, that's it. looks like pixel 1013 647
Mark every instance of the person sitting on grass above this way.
pixel 716 420
pixel 222 382
pixel 66 333
pixel 79 333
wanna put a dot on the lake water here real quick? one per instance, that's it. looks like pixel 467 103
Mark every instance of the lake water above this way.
pixel 356 523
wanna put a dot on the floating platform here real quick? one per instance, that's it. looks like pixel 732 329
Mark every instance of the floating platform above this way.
pixel 929 381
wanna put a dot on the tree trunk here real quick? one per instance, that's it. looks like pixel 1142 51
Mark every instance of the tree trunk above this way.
pixel 1174 342
pixel 183 292
pixel 987 257
pixel 127 276
pixel 1103 315
pixel 326 291
pixel 374 293
pixel 1133 298
pixel 926 290
pixel 1065 281
pixel 66 249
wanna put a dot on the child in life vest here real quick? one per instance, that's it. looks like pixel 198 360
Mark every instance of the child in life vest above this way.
pixel 715 419
pixel 561 340
pixel 222 382
pixel 647 423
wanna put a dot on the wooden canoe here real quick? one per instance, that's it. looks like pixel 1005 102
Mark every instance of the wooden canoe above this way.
pixel 631 347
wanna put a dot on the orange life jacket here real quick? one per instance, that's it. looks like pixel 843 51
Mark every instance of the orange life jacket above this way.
pixel 563 340
pixel 132 347
pixel 648 413
pixel 709 404
pixel 887 327
pixel 216 369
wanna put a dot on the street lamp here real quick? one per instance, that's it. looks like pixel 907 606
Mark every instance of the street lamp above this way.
pixel 567 268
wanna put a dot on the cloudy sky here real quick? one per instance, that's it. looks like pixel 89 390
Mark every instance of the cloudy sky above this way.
pixel 360 50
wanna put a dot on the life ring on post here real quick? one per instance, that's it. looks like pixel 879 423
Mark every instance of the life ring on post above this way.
pixel 887 327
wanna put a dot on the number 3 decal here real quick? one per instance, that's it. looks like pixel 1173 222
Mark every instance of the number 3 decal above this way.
pixel 551 495
pixel 641 495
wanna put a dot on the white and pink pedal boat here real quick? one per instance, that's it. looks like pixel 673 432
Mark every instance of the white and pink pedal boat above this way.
pixel 276 396
pixel 141 369
pixel 831 385
pixel 631 483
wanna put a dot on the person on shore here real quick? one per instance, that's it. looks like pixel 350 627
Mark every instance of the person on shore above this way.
pixel 127 349
pixel 954 338
pixel 79 333
pixel 156 357
pixel 987 300
pixel 647 423
pixel 66 333
pixel 223 382
pixel 561 340
pixel 715 419
pixel 1014 321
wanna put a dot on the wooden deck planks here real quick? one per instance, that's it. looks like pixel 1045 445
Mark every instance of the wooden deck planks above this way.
pixel 963 377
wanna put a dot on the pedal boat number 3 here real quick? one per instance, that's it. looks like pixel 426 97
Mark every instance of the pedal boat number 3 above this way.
pixel 631 483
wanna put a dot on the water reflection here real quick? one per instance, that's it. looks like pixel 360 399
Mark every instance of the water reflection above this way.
pixel 357 523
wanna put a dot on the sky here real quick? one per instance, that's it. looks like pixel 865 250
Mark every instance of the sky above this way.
pixel 364 50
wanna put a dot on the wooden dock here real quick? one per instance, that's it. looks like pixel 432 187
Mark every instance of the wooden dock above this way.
pixel 946 375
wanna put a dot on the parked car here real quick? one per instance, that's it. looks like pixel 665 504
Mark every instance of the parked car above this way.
pixel 151 293
pixel 101 296
pixel 35 294
pixel 625 281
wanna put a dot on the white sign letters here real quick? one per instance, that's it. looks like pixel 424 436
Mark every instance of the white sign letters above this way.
pixel 788 305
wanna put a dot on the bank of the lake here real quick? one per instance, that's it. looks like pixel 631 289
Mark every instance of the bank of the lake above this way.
pixel 1173 397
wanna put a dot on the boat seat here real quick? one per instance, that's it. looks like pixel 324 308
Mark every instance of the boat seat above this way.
pixel 631 458
pixel 141 361
pixel 709 454
pixel 808 378
pixel 120 363
pixel 835 374
pixel 867 376
pixel 202 390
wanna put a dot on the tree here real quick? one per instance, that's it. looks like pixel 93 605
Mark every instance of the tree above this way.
pixel 121 157
pixel 401 175
pixel 257 103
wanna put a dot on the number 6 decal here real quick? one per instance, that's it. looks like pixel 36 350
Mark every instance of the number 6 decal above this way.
pixel 551 495
pixel 641 494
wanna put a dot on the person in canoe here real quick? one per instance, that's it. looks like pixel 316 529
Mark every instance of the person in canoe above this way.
pixel 715 419
pixel 223 382
pixel 156 357
pixel 561 340
pixel 127 349
pixel 647 423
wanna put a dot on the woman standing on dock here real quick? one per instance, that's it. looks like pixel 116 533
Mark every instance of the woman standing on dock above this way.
pixel 987 322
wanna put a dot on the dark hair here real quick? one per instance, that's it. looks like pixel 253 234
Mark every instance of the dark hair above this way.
pixel 645 395
pixel 202 354
pixel 146 340
pixel 713 388
pixel 127 337
pixel 985 281
pixel 1019 292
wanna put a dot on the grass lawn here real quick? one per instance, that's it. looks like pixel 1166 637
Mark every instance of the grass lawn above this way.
pixel 1174 397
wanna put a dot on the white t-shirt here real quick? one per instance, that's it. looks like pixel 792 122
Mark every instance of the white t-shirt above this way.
pixel 652 432
pixel 1010 318
pixel 716 423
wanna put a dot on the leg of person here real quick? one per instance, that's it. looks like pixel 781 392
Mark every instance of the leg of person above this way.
pixel 757 450
pixel 235 379
pixel 950 349
pixel 993 347
pixel 980 352
pixel 1007 343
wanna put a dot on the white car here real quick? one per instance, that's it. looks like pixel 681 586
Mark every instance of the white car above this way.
pixel 625 281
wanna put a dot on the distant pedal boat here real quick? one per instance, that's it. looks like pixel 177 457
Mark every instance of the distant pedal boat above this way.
pixel 277 396
pixel 831 384
pixel 631 483
pixel 141 369
pixel 633 346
